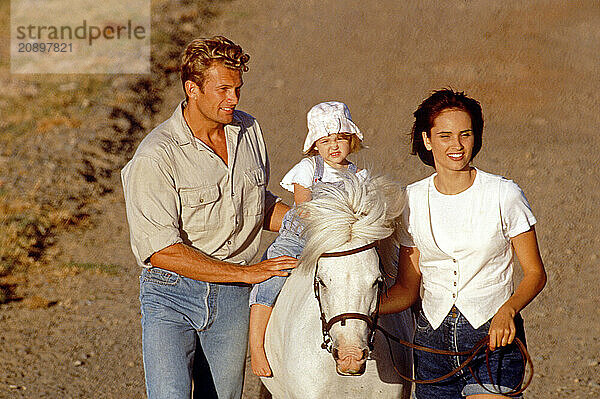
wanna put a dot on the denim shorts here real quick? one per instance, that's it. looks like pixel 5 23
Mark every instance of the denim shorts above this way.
pixel 456 334
pixel 289 242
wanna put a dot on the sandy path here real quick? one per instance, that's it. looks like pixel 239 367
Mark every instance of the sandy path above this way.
pixel 534 68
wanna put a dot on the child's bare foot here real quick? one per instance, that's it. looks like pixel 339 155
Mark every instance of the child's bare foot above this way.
pixel 260 364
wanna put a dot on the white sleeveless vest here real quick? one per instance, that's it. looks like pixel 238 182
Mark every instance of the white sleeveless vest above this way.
pixel 479 279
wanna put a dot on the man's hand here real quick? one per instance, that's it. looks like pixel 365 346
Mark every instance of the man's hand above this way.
pixel 271 267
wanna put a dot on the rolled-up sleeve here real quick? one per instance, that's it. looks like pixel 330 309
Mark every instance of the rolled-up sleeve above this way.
pixel 152 204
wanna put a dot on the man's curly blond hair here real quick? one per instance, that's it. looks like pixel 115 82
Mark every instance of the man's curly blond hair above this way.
pixel 200 54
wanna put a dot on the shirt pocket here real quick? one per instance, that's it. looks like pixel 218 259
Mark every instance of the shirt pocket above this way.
pixel 254 191
pixel 199 207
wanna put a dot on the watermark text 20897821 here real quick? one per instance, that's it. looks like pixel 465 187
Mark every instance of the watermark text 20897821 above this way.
pixel 49 47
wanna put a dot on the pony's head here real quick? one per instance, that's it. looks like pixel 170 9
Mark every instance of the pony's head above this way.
pixel 343 218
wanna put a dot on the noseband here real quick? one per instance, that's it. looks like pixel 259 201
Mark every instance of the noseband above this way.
pixel 326 325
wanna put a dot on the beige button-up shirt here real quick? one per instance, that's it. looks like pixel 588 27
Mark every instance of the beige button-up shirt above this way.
pixel 177 190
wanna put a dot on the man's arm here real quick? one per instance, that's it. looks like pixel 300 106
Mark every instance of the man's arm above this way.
pixel 152 212
pixel 187 261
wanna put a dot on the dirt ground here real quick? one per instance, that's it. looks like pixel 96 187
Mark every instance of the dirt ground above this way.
pixel 533 66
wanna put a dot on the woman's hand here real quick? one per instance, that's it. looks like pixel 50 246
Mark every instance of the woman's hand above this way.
pixel 502 329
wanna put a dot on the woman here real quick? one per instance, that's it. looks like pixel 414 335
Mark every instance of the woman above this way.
pixel 461 227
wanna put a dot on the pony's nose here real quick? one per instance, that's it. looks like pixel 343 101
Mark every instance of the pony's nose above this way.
pixel 336 354
pixel 364 354
pixel 350 361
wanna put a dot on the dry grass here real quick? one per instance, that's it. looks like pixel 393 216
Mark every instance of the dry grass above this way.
pixel 24 229
pixel 35 110
pixel 62 137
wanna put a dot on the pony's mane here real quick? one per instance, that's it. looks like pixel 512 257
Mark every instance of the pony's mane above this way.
pixel 356 208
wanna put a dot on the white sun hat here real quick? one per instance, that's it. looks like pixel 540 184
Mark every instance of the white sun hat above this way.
pixel 329 118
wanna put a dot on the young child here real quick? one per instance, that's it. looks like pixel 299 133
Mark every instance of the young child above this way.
pixel 332 136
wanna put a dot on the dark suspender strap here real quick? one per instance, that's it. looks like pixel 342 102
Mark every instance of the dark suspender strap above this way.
pixel 319 169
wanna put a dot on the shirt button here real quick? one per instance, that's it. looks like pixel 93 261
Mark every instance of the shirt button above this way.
pixel 453 295
pixel 201 200
pixel 455 283
pixel 455 272
pixel 454 260
pixel 229 242
pixel 233 194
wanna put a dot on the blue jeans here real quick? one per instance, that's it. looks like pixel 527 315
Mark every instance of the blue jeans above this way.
pixel 456 334
pixel 186 321
pixel 289 242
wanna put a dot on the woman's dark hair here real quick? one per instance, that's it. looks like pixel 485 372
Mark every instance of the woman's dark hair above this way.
pixel 435 104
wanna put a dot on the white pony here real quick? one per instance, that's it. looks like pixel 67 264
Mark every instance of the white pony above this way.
pixel 342 221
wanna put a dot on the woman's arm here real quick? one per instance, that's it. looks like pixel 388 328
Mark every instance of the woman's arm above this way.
pixel 502 328
pixel 301 194
pixel 405 290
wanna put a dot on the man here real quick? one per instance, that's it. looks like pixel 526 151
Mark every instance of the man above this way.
pixel 196 200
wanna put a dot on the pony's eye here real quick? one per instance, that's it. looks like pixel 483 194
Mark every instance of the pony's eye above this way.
pixel 322 284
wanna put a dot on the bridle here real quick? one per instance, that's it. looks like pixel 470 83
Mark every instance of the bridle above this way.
pixel 326 325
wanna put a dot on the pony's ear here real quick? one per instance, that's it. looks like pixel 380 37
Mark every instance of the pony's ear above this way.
pixel 394 196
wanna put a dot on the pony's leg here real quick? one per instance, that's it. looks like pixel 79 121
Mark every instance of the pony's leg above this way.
pixel 259 318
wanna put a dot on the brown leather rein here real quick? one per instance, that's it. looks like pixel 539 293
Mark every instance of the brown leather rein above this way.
pixel 374 327
pixel 471 353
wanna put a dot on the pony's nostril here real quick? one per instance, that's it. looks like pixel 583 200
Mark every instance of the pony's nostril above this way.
pixel 335 354
pixel 365 353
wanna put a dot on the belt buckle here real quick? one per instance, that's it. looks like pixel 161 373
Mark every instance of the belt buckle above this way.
pixel 454 312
